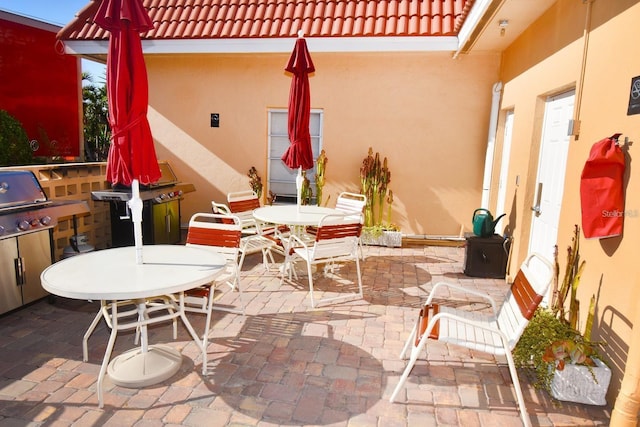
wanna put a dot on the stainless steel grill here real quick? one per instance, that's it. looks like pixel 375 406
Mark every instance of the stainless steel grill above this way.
pixel 160 213
pixel 27 219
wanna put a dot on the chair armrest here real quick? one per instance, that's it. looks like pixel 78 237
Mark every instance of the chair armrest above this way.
pixel 463 289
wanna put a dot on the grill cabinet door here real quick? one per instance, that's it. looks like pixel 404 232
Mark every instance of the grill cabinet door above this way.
pixel 10 297
pixel 35 251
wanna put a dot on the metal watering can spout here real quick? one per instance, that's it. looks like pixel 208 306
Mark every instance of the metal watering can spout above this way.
pixel 483 223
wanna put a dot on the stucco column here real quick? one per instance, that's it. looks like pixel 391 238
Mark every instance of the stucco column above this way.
pixel 625 411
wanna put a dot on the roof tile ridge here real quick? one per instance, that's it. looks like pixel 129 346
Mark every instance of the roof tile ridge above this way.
pixel 84 15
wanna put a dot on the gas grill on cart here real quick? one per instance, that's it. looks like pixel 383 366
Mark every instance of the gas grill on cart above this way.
pixel 27 219
pixel 160 212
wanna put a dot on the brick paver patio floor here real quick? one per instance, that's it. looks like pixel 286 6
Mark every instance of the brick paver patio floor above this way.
pixel 283 363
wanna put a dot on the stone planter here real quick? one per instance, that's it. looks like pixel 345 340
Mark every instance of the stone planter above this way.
pixel 391 239
pixel 575 383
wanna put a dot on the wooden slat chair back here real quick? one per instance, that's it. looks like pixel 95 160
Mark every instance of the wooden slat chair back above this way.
pixel 336 240
pixel 495 333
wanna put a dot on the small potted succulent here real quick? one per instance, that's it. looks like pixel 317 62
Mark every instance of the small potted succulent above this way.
pixel 563 361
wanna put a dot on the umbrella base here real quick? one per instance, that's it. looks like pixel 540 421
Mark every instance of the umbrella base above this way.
pixel 135 369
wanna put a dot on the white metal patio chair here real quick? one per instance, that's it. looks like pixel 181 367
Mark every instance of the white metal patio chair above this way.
pixel 348 203
pixel 242 204
pixel 496 333
pixel 265 238
pixel 351 202
pixel 219 233
pixel 336 240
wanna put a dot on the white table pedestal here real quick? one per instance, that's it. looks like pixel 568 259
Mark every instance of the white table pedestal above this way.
pixel 137 369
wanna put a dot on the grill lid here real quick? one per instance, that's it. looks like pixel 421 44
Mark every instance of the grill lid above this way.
pixel 19 189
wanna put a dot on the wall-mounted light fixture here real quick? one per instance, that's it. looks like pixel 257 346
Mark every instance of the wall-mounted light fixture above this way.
pixel 503 24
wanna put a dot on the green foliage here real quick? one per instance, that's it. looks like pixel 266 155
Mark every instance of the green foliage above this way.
pixel 543 330
pixel 14 142
pixel 547 344
pixel 552 339
pixel 97 134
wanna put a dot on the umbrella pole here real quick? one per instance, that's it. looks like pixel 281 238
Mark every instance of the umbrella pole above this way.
pixel 135 204
pixel 299 187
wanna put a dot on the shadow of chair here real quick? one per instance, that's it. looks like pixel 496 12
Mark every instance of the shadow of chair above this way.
pixel 496 333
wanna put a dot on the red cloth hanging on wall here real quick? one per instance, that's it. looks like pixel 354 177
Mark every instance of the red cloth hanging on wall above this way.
pixel 602 190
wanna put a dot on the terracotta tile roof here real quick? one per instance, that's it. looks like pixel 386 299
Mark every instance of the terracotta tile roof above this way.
pixel 232 19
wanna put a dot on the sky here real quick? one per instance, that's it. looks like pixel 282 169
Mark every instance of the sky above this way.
pixel 56 12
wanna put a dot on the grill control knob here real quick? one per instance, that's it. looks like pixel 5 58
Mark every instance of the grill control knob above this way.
pixel 34 222
pixel 45 220
pixel 24 225
pixel 2 230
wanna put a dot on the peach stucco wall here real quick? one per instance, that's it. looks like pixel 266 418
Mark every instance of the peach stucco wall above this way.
pixel 426 112
pixel 545 60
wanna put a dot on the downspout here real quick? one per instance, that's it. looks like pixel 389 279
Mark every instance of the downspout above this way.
pixel 491 145
pixel 625 411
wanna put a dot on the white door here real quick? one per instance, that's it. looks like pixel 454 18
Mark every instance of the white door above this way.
pixel 552 164
pixel 504 172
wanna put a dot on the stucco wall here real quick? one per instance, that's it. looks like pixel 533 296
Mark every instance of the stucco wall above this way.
pixel 426 112
pixel 548 59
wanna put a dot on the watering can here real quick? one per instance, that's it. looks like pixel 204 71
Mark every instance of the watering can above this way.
pixel 483 223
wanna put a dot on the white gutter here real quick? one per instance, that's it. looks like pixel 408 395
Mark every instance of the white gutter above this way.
pixel 476 13
pixel 491 144
pixel 276 45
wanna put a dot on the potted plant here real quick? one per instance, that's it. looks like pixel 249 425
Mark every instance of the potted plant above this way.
pixel 560 359
pixel 375 177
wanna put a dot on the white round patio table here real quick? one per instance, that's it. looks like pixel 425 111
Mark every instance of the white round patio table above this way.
pixel 293 214
pixel 114 275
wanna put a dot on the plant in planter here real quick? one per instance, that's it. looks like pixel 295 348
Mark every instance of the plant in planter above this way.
pixel 375 177
pixel 563 361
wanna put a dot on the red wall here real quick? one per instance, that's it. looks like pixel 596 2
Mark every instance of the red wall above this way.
pixel 40 87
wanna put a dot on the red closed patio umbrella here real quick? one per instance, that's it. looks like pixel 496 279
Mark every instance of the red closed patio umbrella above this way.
pixel 132 157
pixel 131 154
pixel 299 155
